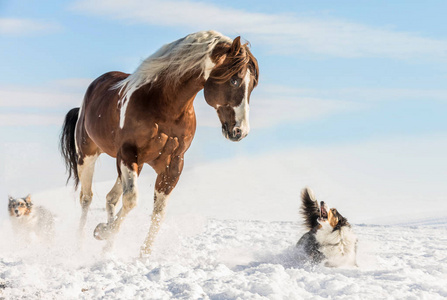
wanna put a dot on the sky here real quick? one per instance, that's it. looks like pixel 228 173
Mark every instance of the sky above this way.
pixel 334 75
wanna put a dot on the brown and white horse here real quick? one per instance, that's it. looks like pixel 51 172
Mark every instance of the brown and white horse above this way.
pixel 148 117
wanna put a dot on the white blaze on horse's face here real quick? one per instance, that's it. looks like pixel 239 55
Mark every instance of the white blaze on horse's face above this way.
pixel 231 101
pixel 228 90
pixel 242 127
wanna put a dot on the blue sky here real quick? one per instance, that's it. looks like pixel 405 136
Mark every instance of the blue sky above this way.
pixel 332 72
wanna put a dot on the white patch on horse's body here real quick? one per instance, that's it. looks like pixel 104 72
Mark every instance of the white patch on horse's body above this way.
pixel 112 199
pixel 338 246
pixel 124 103
pixel 209 65
pixel 128 177
pixel 174 60
pixel 77 122
pixel 87 168
pixel 242 111
pixel 85 172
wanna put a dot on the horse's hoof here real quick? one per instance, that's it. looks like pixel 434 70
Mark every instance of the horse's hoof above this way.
pixel 102 232
pixel 145 252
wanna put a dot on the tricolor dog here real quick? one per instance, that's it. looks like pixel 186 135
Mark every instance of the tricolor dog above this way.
pixel 330 238
pixel 28 220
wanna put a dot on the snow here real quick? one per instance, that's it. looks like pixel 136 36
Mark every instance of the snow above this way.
pixel 232 243
pixel 198 258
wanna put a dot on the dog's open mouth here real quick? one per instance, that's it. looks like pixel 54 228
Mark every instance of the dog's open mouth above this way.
pixel 323 211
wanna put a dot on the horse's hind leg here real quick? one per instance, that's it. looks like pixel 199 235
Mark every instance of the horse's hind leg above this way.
pixel 85 171
pixel 112 199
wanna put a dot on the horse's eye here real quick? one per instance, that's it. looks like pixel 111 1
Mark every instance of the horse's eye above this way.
pixel 234 82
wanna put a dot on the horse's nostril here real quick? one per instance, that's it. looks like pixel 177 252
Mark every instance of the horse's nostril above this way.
pixel 237 132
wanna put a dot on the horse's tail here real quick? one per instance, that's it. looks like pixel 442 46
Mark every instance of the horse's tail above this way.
pixel 68 146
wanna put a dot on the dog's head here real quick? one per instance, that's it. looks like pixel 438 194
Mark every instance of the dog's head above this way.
pixel 331 216
pixel 19 207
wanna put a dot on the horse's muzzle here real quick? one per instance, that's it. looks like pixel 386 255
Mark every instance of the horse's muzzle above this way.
pixel 234 134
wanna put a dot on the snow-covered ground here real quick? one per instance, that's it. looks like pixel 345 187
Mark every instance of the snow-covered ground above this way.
pixel 232 235
pixel 198 258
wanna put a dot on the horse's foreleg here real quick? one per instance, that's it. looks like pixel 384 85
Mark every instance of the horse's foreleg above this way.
pixel 112 199
pixel 129 175
pixel 158 214
pixel 165 183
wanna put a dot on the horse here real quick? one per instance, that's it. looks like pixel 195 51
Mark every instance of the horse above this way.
pixel 148 117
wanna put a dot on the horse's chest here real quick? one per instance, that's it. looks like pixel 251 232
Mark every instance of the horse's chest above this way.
pixel 161 148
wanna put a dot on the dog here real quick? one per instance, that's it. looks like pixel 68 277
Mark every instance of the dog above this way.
pixel 330 237
pixel 28 220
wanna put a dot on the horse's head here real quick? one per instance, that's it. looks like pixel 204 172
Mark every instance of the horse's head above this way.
pixel 229 86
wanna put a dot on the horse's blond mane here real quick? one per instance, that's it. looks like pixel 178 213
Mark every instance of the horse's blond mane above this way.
pixel 172 61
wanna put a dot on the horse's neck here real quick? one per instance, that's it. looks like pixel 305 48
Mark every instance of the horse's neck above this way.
pixel 180 98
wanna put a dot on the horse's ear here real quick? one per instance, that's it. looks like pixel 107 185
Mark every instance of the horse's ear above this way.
pixel 236 46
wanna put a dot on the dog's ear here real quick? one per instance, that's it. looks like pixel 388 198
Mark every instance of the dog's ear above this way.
pixel 10 201
pixel 342 221
pixel 28 200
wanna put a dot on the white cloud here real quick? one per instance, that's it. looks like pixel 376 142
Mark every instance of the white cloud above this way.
pixel 360 95
pixel 382 94
pixel 77 84
pixel 270 104
pixel 26 97
pixel 59 93
pixel 44 119
pixel 16 26
pixel 38 105
pixel 267 110
pixel 283 33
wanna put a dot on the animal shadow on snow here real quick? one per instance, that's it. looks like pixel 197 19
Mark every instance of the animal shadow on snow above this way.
pixel 290 258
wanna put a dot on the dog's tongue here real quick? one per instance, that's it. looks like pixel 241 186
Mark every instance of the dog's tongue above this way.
pixel 323 211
